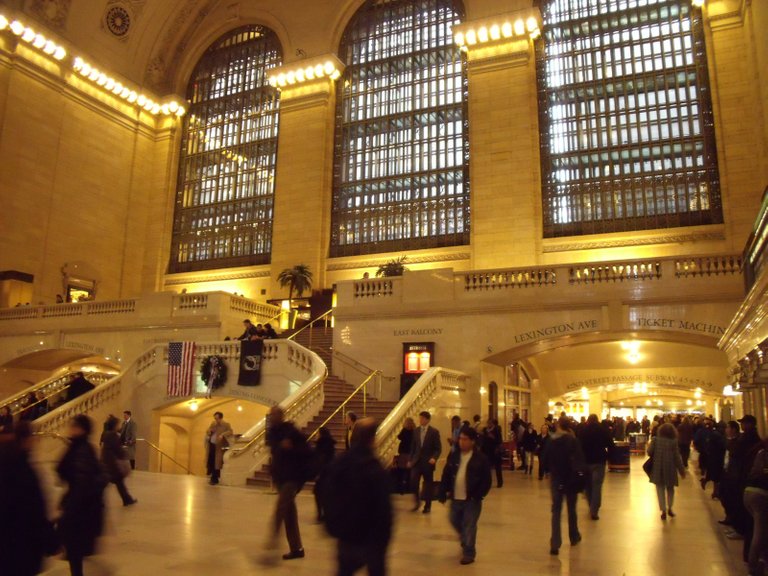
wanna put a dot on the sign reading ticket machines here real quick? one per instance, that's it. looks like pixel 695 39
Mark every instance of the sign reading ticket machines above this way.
pixel 250 362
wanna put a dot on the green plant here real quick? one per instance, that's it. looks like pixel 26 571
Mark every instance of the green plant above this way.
pixel 394 267
pixel 298 279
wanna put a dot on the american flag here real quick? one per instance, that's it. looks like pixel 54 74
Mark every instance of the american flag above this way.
pixel 181 368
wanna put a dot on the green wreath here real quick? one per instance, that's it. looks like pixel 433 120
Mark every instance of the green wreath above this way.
pixel 213 371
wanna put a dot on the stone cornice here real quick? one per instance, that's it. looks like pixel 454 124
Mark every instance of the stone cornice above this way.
pixel 353 265
pixel 554 245
pixel 194 278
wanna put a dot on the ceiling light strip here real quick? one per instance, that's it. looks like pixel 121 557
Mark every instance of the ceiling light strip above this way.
pixel 97 77
pixel 497 30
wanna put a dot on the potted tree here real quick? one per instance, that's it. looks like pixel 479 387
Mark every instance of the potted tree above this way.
pixel 394 267
pixel 298 279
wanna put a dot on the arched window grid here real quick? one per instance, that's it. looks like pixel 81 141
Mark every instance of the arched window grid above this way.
pixel 627 132
pixel 225 191
pixel 401 171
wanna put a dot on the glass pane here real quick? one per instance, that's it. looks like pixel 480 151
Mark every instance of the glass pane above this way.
pixel 627 135
pixel 401 148
pixel 223 215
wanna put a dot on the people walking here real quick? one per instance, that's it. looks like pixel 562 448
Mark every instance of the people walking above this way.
pixel 491 446
pixel 405 437
pixel 290 469
pixel 82 507
pixel 217 438
pixel 325 452
pixel 596 442
pixel 425 450
pixel 357 503
pixel 115 460
pixel 466 481
pixel 564 460
pixel 667 463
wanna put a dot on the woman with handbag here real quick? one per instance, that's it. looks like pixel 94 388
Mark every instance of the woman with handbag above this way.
pixel 666 464
pixel 114 458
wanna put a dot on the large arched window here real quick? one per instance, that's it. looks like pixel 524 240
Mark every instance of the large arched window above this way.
pixel 401 150
pixel 224 198
pixel 627 136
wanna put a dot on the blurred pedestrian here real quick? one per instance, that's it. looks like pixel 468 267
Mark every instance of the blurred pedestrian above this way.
pixel 564 460
pixel 290 469
pixel 357 503
pixel 82 507
pixel 405 437
pixel 325 452
pixel 596 444
pixel 26 534
pixel 6 420
pixel 115 460
pixel 667 463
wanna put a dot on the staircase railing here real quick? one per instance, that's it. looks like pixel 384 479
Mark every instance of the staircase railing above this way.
pixel 163 455
pixel 50 387
pixel 390 391
pixel 326 317
pixel 343 406
pixel 417 399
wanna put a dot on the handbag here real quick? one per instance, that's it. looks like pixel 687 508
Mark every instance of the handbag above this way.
pixel 648 467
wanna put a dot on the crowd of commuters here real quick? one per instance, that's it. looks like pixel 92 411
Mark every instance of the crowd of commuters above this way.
pixel 353 490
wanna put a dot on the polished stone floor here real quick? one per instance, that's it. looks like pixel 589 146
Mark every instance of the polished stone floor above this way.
pixel 183 526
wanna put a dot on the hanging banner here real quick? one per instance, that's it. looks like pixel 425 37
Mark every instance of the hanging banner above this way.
pixel 250 362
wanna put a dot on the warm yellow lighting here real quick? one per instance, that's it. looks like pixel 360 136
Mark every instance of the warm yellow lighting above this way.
pixel 506 29
pixel 697 393
pixel 39 41
pixel 483 391
pixel 17 27
pixel 28 35
pixel 633 357
pixel 3 22
pixel 697 3
pixel 329 68
pixel 50 47
pixel 290 77
pixel 239 408
pixel 471 37
pixel 482 34
pixel 531 24
pixel 519 27
pixel 495 32
pixel 689 402
pixel 458 38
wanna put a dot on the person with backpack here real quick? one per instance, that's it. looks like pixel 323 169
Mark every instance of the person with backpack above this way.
pixel 466 481
pixel 564 460
pixel 290 468
pixel 358 509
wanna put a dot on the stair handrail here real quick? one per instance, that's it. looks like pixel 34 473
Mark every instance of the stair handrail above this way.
pixel 289 405
pixel 348 360
pixel 345 402
pixel 312 323
pixel 17 398
pixel 164 454
pixel 413 402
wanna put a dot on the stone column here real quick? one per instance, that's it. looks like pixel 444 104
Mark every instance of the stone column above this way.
pixel 302 208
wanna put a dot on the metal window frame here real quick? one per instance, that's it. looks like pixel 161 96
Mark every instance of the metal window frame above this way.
pixel 401 149
pixel 596 64
pixel 227 165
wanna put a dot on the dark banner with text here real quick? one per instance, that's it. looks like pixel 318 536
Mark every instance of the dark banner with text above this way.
pixel 250 362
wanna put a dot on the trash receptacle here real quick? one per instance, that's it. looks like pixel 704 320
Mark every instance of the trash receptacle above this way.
pixel 618 458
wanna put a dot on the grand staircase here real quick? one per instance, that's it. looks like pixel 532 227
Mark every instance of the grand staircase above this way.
pixel 335 391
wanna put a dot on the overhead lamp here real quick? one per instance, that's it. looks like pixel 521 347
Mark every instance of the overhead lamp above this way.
pixel 698 3
pixel 194 406
pixel 3 22
pixel 315 69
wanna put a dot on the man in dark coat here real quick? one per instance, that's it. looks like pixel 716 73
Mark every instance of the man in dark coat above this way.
pixel 78 386
pixel 26 535
pixel 358 510
pixel 564 460
pixel 425 450
pixel 466 481
pixel 596 443
pixel 290 468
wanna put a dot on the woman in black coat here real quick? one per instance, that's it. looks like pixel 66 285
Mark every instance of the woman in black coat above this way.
pixel 114 459
pixel 26 534
pixel 82 507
